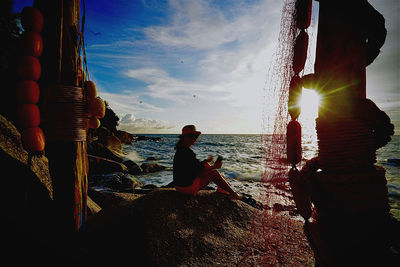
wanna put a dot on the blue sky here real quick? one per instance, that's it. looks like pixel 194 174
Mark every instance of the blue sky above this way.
pixel 163 64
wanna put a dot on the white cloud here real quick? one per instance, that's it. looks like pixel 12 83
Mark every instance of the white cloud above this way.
pixel 163 86
pixel 127 118
pixel 235 52
pixel 199 25
pixel 128 102
pixel 142 125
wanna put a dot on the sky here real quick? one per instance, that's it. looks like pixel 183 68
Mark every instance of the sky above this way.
pixel 164 64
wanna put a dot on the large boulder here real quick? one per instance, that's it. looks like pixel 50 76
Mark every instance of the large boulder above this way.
pixel 166 228
pixel 110 199
pixel 149 167
pixel 99 165
pixel 26 199
pixel 100 150
pixel 118 181
pixel 114 145
pixel 11 150
pixel 125 137
pixel 133 167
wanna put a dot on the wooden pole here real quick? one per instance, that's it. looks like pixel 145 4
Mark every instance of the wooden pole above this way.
pixel 68 162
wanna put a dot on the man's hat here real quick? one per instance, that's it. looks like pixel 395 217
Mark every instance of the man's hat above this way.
pixel 189 130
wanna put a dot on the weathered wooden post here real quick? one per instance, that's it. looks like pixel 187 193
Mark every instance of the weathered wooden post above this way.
pixel 63 111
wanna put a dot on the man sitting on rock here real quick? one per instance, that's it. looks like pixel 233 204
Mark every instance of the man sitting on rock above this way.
pixel 190 175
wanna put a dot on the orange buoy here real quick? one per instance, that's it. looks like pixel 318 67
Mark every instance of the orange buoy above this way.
pixel 27 92
pixel 295 91
pixel 97 107
pixel 31 19
pixel 91 89
pixel 303 13
pixel 33 139
pixel 300 52
pixel 293 142
pixel 29 68
pixel 28 115
pixel 31 44
pixel 94 123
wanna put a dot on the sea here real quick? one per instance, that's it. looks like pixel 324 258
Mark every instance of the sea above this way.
pixel 243 159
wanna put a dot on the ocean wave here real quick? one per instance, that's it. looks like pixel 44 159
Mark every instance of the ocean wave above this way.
pixel 134 156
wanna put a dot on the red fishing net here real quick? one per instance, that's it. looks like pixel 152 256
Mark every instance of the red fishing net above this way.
pixel 264 242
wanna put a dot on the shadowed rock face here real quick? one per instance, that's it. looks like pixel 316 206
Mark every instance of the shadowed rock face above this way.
pixel 26 199
pixel 12 151
pixel 166 228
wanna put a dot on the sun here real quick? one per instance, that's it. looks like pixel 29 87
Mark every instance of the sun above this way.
pixel 309 112
pixel 309 104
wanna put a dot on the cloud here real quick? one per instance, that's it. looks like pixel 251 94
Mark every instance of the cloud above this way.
pixel 234 51
pixel 130 124
pixel 128 102
pixel 126 119
pixel 162 86
pixel 202 25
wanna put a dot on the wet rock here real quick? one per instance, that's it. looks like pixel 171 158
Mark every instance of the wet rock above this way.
pixel 133 167
pixel 146 138
pixel 151 167
pixel 100 150
pixel 112 143
pixel 99 165
pixel 125 137
pixel 119 182
pixel 129 183
pixel 152 158
pixel 149 186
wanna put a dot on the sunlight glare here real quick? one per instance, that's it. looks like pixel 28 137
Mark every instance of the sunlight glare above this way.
pixel 309 112
pixel 309 104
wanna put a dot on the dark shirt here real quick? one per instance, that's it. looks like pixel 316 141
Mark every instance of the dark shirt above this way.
pixel 186 167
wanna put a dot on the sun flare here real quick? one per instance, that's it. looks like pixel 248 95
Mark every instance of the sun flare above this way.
pixel 309 104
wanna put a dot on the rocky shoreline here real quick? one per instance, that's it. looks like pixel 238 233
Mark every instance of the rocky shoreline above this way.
pixel 111 173
pixel 166 228
pixel 141 224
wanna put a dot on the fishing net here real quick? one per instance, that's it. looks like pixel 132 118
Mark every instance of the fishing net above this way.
pixel 273 142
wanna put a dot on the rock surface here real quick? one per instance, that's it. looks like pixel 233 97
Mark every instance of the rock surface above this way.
pixel 166 228
pixel 26 200
pixel 133 167
pixel 12 149
pixel 125 137
pixel 100 165
pixel 119 182
pixel 148 167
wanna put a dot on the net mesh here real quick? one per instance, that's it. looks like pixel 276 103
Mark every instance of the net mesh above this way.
pixel 264 242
